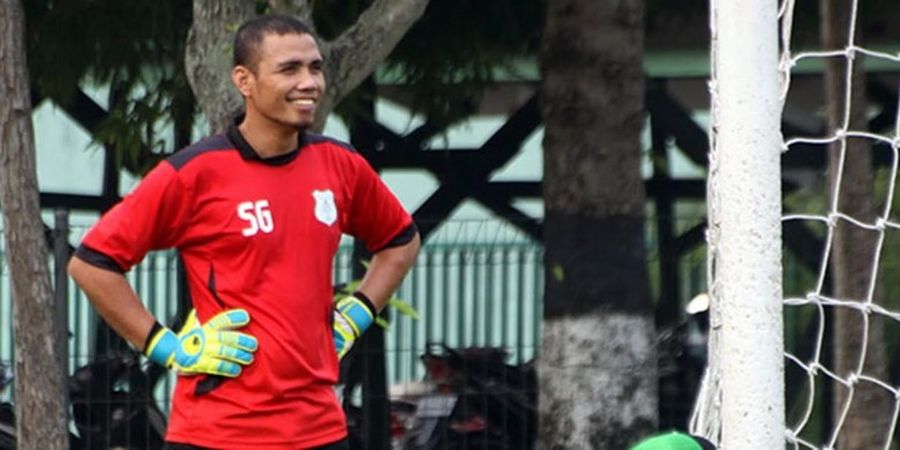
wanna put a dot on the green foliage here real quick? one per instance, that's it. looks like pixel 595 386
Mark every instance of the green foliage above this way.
pixel 658 9
pixel 105 40
pixel 135 47
pixel 559 274
pixel 452 54
pixel 402 307
pixel 446 61
pixel 333 17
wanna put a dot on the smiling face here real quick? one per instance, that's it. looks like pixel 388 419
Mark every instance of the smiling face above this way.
pixel 285 83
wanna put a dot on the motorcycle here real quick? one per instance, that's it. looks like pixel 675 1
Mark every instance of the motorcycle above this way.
pixel 112 407
pixel 470 399
pixel 7 411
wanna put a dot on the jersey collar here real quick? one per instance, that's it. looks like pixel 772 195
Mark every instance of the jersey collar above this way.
pixel 248 153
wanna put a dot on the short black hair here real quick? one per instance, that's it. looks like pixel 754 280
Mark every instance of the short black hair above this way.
pixel 251 34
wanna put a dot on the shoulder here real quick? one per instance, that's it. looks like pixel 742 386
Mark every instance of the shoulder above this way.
pixel 319 140
pixel 212 144
pixel 340 154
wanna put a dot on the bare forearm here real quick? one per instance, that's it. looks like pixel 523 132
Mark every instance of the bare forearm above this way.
pixel 387 270
pixel 114 300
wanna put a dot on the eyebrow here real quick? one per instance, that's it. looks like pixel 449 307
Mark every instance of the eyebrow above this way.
pixel 297 62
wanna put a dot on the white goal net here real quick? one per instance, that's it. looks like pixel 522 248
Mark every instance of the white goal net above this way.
pixel 808 357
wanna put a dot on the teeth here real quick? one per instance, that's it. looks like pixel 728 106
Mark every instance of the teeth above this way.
pixel 304 102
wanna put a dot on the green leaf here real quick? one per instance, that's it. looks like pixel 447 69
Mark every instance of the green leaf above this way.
pixel 347 289
pixel 404 308
pixel 558 273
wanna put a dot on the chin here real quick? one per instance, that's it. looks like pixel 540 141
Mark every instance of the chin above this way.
pixel 304 122
pixel 299 124
pixel 303 125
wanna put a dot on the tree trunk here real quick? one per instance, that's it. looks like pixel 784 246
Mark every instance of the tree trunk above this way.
pixel 598 384
pixel 869 418
pixel 349 59
pixel 40 388
pixel 208 60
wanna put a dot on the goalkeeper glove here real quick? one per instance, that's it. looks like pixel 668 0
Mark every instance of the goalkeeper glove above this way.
pixel 352 316
pixel 211 348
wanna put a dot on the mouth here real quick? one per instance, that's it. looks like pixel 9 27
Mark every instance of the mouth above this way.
pixel 304 102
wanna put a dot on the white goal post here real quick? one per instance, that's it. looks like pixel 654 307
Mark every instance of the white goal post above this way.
pixel 743 402
pixel 745 408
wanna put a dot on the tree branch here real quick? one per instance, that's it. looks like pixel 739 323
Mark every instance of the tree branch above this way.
pixel 301 9
pixel 358 51
pixel 208 57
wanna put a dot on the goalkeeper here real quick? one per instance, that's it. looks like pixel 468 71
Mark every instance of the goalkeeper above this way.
pixel 257 214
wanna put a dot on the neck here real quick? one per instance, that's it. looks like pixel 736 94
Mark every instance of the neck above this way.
pixel 268 138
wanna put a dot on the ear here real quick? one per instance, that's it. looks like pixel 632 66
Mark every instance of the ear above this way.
pixel 243 80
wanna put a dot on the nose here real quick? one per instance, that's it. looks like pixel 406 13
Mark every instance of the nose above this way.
pixel 306 81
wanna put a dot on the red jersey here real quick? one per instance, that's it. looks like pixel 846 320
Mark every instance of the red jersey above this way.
pixel 260 235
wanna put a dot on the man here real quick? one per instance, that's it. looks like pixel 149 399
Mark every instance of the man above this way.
pixel 257 214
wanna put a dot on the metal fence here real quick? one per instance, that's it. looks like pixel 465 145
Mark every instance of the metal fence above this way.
pixel 475 284
pixel 467 292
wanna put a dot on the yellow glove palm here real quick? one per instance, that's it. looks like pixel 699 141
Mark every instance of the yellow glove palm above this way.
pixel 211 348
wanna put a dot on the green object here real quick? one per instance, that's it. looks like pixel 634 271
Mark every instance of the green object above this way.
pixel 212 348
pixel 559 274
pixel 400 305
pixel 669 441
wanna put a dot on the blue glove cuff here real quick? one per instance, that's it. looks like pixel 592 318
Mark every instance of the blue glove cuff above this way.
pixel 161 345
pixel 359 311
pixel 366 301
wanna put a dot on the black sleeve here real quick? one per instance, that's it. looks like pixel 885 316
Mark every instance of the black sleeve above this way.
pixel 97 259
pixel 404 237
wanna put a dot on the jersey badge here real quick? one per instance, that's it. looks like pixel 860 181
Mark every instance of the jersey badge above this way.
pixel 326 210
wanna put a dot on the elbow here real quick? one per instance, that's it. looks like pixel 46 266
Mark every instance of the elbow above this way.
pixel 412 250
pixel 79 270
pixel 401 257
pixel 74 268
